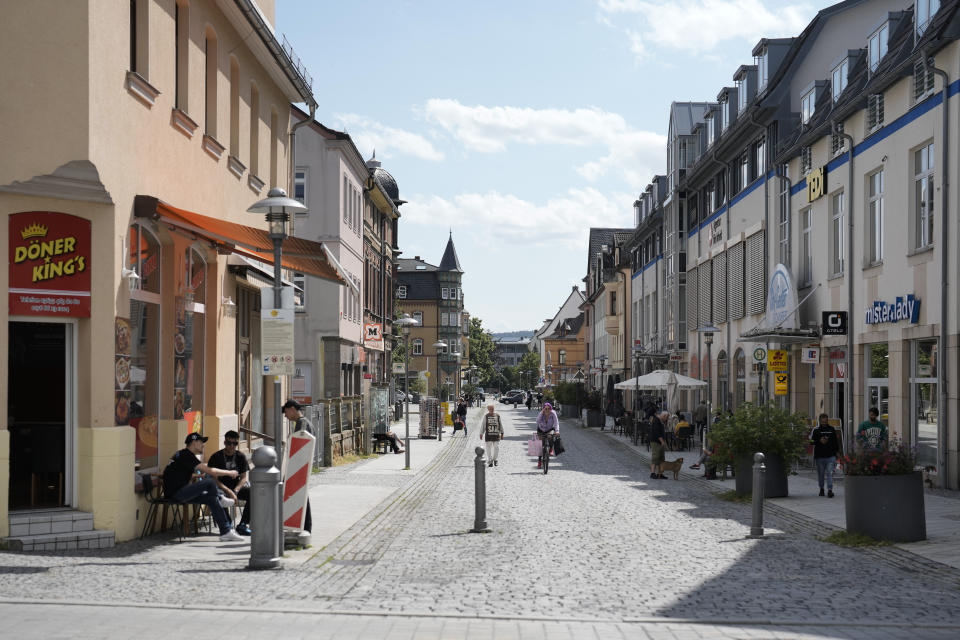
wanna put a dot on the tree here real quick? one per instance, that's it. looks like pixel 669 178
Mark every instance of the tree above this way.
pixel 482 351
pixel 529 368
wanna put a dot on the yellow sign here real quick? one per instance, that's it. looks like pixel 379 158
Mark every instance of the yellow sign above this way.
pixel 426 373
pixel 816 183
pixel 447 418
pixel 780 384
pixel 776 359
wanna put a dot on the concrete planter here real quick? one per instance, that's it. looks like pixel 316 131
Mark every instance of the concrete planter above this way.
pixel 595 418
pixel 886 507
pixel 775 477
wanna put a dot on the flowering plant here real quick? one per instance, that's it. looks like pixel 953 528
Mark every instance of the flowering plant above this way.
pixel 899 459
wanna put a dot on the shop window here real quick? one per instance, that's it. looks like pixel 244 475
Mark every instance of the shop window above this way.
pixel 877 368
pixel 923 400
pixel 140 338
pixel 740 366
pixel 188 342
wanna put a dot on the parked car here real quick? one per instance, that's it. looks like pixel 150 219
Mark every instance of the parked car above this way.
pixel 513 397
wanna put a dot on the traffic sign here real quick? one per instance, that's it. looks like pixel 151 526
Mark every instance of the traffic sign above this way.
pixel 780 384
pixel 760 355
pixel 777 359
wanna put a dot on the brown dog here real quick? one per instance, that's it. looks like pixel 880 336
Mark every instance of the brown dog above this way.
pixel 674 466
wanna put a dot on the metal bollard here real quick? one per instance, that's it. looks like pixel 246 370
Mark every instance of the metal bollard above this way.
pixel 265 510
pixel 480 489
pixel 759 474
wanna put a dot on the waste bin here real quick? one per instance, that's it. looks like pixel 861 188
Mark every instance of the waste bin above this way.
pixel 398 410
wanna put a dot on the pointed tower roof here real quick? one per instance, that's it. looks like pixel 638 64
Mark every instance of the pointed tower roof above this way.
pixel 450 262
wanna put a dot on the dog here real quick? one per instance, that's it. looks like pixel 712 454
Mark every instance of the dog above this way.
pixel 674 466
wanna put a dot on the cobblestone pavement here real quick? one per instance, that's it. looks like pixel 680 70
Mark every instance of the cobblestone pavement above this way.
pixel 594 549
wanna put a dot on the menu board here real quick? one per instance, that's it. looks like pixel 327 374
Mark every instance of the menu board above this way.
pixel 276 339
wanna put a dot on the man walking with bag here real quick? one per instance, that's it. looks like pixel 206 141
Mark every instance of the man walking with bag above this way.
pixel 826 448
pixel 491 430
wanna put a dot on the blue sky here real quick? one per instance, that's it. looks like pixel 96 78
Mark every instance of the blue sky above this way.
pixel 520 124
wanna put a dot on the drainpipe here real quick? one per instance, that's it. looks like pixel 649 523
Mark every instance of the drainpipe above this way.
pixel 848 435
pixel 293 155
pixel 766 229
pixel 943 460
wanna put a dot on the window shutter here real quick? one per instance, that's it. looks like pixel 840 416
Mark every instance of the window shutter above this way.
pixel 756 279
pixel 693 315
pixel 720 287
pixel 705 275
pixel 735 283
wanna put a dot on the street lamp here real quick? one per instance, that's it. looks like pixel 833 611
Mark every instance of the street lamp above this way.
pixel 277 207
pixel 708 330
pixel 603 368
pixel 439 344
pixel 405 323
pixel 456 380
pixel 637 353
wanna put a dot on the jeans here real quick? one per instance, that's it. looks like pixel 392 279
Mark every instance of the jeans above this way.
pixel 825 467
pixel 243 493
pixel 206 492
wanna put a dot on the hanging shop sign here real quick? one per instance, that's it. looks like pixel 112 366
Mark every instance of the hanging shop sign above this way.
pixel 373 335
pixel 49 273
pixel 816 184
pixel 903 308
pixel 780 381
pixel 834 323
pixel 781 300
pixel 810 355
pixel 777 359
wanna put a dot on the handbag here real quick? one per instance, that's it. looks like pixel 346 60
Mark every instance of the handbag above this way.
pixel 558 447
pixel 534 447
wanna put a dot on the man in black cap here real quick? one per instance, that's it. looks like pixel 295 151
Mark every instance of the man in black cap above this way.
pixel 177 485
pixel 291 411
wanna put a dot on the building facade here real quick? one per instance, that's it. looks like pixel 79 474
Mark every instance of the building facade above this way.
pixel 563 351
pixel 125 186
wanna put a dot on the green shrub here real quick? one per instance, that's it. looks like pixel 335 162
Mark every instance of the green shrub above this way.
pixel 754 428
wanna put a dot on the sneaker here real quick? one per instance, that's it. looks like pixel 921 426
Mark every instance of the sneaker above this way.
pixel 496 463
pixel 226 502
pixel 243 529
pixel 821 492
pixel 694 466
pixel 662 477
pixel 490 464
pixel 231 536
pixel 653 475
pixel 830 493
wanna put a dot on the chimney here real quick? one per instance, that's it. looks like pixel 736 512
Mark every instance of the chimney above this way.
pixel 417 258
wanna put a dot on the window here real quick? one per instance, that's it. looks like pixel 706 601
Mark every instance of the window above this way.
pixel 875 216
pixel 755 277
pixel 923 398
pixel 923 195
pixel 762 69
pixel 874 111
pixel 139 38
pixel 740 368
pixel 188 362
pixel 299 292
pixel 742 93
pixel 417 347
pixel 877 47
pixel 922 80
pixel 418 316
pixel 300 185
pixel 723 380
pixel 445 293
pixel 806 246
pixel 838 80
pixel 444 319
pixel 274 139
pixel 234 107
pixel 346 200
pixel 688 152
pixel 837 141
pixel 402 291
pixel 783 223
pixel 254 130
pixel 925 10
pixel 836 234
pixel 806 160
pixel 724 114
pixel 210 85
pixel 143 329
pixel 743 171
pixel 759 157
pixel 808 104
pixel 710 131
pixel 181 18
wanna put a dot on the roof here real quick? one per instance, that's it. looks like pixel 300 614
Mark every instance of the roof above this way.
pixel 686 114
pixel 450 262
pixel 412 264
pixel 383 177
pixel 600 236
pixel 568 329
pixel 420 286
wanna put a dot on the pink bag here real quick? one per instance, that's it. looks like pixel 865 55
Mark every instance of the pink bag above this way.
pixel 534 447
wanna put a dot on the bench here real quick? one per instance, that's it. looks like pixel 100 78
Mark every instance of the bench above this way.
pixel 380 443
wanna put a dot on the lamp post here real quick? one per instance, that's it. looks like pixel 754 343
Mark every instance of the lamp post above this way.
pixel 456 380
pixel 637 352
pixel 603 388
pixel 708 331
pixel 406 322
pixel 439 344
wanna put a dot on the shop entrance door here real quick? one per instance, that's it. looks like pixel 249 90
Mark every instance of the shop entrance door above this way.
pixel 39 391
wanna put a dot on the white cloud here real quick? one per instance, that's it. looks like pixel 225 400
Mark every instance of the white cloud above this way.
pixel 497 219
pixel 388 141
pixel 696 26
pixel 635 154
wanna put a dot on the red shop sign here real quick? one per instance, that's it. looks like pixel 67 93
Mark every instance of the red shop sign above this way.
pixel 49 264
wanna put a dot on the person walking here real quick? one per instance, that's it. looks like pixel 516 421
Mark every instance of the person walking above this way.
pixel 826 448
pixel 462 414
pixel 657 444
pixel 872 434
pixel 548 426
pixel 491 430
pixel 529 400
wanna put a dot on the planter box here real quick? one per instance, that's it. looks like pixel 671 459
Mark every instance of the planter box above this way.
pixel 569 411
pixel 775 476
pixel 595 418
pixel 886 507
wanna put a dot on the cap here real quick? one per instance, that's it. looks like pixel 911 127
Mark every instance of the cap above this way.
pixel 292 404
pixel 193 437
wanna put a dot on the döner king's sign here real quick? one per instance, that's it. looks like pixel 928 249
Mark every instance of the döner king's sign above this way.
pixel 907 308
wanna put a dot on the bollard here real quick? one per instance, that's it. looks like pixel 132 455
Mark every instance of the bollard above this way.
pixel 265 510
pixel 480 489
pixel 759 473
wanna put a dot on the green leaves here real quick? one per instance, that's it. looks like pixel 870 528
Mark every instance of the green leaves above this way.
pixel 768 429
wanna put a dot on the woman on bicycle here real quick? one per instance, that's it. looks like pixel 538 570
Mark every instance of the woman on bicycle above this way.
pixel 548 427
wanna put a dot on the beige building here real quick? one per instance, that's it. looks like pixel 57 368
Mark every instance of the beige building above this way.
pixel 136 135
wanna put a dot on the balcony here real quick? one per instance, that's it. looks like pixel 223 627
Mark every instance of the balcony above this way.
pixel 612 325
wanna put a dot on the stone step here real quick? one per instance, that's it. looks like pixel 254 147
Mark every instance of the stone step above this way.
pixel 95 539
pixel 49 521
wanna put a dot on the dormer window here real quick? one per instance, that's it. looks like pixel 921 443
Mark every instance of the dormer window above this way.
pixel 710 130
pixel 762 69
pixel 926 9
pixel 741 93
pixel 839 79
pixel 808 104
pixel 878 46
pixel 724 113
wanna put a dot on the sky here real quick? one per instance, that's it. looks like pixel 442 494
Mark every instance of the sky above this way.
pixel 516 125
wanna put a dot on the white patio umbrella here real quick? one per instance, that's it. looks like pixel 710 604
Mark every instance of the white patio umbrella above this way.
pixel 662 380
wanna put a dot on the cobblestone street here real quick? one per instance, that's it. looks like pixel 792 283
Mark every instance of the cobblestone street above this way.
pixel 594 549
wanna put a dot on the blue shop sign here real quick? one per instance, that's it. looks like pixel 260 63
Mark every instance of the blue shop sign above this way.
pixel 901 309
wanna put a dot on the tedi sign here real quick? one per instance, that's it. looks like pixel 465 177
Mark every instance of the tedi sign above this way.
pixel 901 309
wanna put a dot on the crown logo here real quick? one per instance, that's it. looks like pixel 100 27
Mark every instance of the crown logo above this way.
pixel 35 230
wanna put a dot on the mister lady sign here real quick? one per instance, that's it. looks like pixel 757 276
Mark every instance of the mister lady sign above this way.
pixel 907 308
pixel 49 264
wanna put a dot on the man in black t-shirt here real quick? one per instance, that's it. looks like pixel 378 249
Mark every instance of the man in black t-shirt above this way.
pixel 177 484
pixel 826 448
pixel 230 458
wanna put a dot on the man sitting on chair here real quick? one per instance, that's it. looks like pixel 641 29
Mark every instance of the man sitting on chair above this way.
pixel 234 488
pixel 177 485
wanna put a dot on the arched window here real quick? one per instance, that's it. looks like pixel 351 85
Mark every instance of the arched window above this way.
pixel 138 347
pixel 210 81
pixel 417 347
pixel 740 367
pixel 234 107
pixel 254 130
pixel 723 380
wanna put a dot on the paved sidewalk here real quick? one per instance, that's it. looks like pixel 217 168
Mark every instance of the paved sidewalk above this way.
pixel 943 513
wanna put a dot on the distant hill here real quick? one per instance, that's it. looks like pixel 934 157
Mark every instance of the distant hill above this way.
pixel 512 335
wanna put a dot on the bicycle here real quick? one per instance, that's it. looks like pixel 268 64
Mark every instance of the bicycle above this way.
pixel 547 444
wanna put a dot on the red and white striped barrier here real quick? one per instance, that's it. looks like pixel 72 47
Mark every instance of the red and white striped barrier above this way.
pixel 296 465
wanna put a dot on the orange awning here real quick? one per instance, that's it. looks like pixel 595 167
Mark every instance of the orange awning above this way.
pixel 299 254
